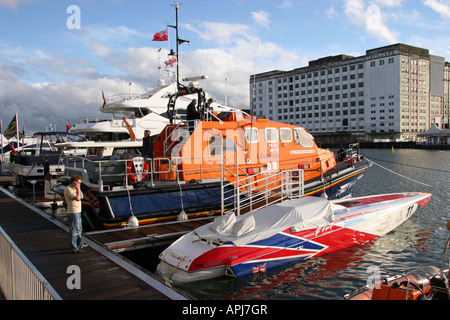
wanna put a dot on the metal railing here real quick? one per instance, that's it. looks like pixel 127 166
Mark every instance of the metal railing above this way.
pixel 263 189
pixel 19 279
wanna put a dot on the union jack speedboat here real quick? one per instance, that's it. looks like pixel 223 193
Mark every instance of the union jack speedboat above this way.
pixel 282 233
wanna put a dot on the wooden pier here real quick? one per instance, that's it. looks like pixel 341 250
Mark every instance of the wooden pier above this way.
pixel 105 275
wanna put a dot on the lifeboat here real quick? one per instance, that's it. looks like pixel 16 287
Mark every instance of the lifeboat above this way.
pixel 204 165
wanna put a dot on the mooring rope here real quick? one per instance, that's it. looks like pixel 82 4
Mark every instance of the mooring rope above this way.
pixel 398 173
pixel 413 166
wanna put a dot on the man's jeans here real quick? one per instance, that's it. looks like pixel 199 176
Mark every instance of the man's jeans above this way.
pixel 75 229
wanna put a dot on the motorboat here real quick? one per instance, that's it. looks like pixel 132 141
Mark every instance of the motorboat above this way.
pixel 140 112
pixel 423 283
pixel 28 163
pixel 282 233
pixel 9 147
pixel 201 165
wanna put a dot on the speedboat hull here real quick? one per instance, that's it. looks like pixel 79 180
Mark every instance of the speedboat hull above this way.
pixel 329 225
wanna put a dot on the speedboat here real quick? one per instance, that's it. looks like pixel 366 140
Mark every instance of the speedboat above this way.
pixel 422 283
pixel 282 233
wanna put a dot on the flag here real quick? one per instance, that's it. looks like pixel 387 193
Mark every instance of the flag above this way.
pixel 260 268
pixel 67 126
pixel 12 149
pixel 11 130
pixel 104 100
pixel 161 36
pixel 171 62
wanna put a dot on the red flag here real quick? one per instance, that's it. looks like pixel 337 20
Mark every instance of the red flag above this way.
pixel 12 149
pixel 171 62
pixel 67 126
pixel 161 36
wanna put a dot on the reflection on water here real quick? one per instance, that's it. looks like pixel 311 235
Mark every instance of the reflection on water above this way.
pixel 418 242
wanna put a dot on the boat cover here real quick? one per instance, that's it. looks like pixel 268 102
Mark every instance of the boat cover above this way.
pixel 303 213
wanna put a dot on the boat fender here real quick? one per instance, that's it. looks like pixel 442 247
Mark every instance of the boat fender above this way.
pixel 132 222
pixel 182 216
pixel 137 170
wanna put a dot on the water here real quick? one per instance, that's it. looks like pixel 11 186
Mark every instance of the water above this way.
pixel 418 242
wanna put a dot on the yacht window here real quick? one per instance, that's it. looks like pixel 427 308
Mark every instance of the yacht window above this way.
pixel 302 138
pixel 123 151
pixel 94 152
pixel 251 135
pixel 270 134
pixel 285 134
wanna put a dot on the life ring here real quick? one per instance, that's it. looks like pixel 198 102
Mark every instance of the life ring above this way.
pixel 137 170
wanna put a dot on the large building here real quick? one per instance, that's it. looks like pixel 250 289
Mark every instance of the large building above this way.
pixel 392 93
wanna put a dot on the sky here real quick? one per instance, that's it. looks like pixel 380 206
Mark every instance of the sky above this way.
pixel 57 56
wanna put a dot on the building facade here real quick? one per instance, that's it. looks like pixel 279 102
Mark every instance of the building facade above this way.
pixel 392 93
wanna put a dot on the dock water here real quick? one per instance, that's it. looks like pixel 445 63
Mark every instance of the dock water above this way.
pixel 104 275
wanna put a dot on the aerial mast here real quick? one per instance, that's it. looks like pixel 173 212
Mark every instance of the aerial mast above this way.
pixel 179 41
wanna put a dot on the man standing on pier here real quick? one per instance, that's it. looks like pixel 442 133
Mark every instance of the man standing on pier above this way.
pixel 73 196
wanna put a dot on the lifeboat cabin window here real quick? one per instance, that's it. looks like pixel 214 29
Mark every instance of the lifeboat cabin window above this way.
pixel 270 134
pixel 251 135
pixel 302 138
pixel 285 134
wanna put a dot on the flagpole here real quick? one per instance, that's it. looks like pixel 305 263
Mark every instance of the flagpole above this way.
pixel 178 59
pixel 17 130
pixel 1 132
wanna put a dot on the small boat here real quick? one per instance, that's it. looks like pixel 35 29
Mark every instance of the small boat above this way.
pixel 423 283
pixel 282 233
pixel 28 164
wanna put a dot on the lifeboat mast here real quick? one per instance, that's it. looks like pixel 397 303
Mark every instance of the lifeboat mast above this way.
pixel 183 90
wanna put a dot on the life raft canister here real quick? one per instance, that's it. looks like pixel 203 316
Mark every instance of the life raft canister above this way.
pixel 137 170
pixel 350 160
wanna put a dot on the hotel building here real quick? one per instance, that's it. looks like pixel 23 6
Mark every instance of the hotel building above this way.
pixel 390 94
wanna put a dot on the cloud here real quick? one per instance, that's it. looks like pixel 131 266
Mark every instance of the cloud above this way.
pixel 371 18
pixel 14 3
pixel 331 12
pixel 261 18
pixel 441 7
pixel 51 85
pixel 286 4
pixel 41 104
pixel 389 3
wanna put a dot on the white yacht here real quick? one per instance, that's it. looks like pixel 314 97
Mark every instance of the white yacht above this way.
pixel 140 112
